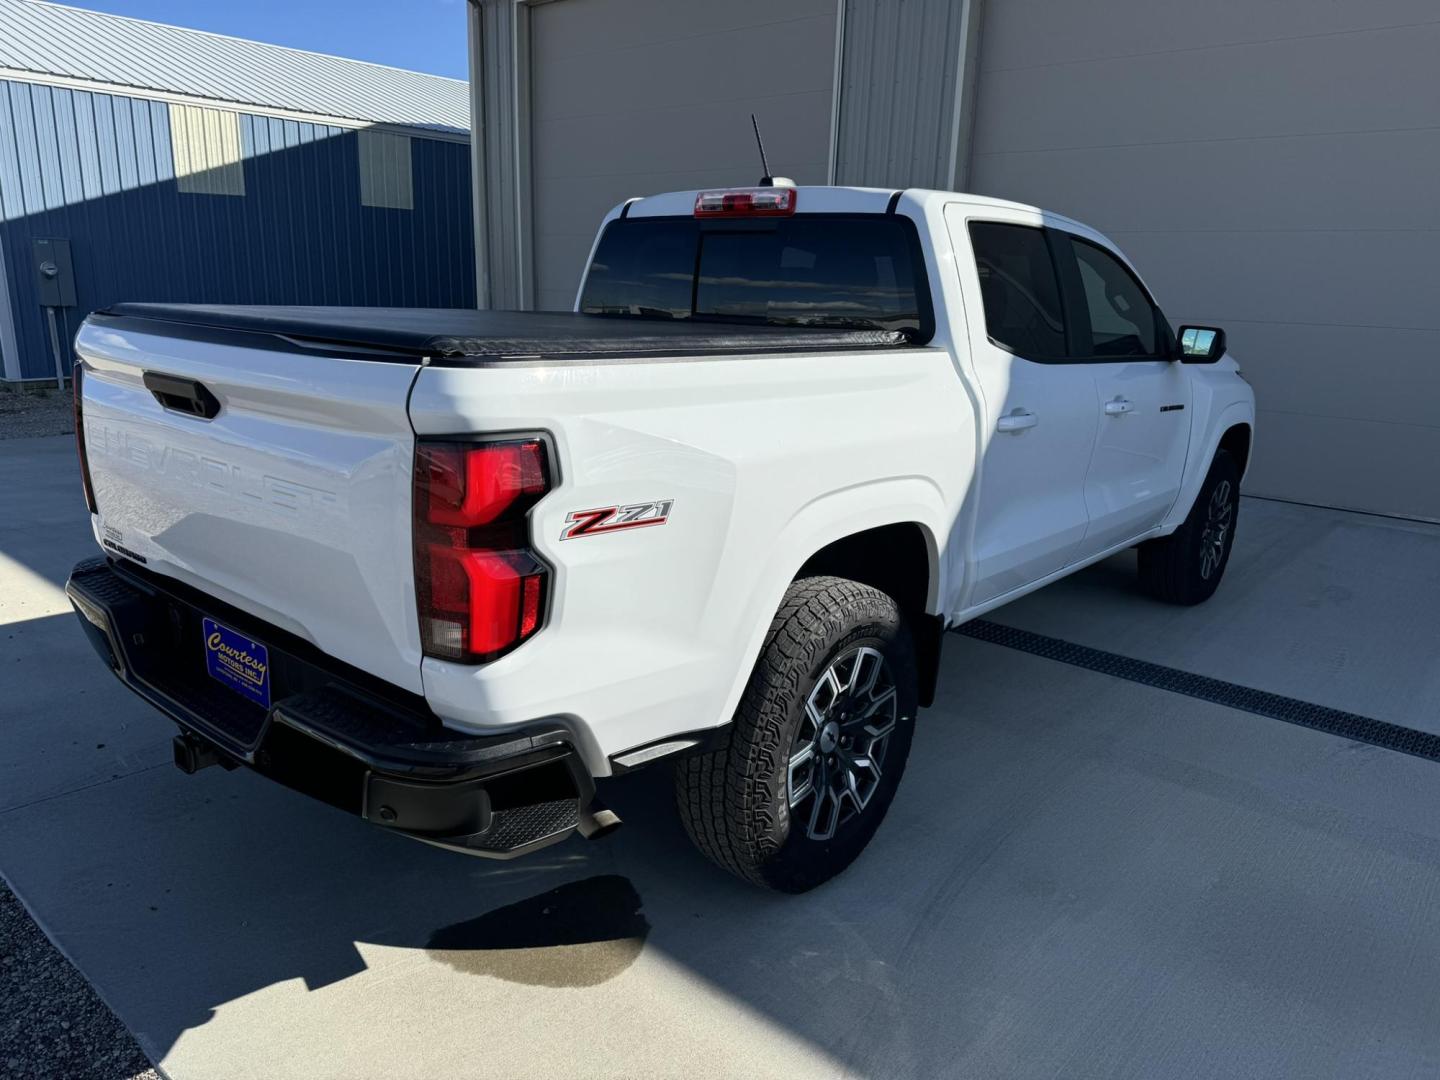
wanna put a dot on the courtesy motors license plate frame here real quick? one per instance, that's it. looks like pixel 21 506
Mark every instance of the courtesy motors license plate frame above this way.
pixel 237 661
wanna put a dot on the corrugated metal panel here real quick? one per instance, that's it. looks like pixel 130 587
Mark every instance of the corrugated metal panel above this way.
pixel 497 39
pixel 897 92
pixel 74 43
pixel 99 170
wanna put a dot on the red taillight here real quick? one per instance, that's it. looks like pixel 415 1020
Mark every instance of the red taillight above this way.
pixel 473 486
pixel 746 202
pixel 80 438
pixel 480 587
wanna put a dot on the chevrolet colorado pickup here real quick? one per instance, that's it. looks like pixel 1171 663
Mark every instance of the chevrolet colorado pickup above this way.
pixel 444 569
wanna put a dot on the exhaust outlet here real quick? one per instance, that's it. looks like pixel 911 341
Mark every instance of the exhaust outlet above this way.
pixel 193 754
pixel 597 820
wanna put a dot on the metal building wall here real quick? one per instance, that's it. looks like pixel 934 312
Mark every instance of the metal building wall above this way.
pixel 1271 168
pixel 100 171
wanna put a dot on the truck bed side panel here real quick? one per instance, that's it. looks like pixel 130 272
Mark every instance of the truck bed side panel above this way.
pixel 762 461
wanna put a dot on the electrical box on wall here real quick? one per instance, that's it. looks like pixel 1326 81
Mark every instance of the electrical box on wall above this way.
pixel 54 274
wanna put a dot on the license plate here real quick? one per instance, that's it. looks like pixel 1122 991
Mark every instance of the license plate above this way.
pixel 239 662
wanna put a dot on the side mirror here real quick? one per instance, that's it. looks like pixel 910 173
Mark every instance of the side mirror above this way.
pixel 1201 344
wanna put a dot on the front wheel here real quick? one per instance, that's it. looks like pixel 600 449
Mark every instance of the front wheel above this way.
pixel 817 747
pixel 1186 566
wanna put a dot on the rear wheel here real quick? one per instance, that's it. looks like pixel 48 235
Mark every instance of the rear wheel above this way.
pixel 1186 566
pixel 819 742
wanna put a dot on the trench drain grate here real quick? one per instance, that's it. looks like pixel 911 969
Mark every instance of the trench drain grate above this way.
pixel 1345 725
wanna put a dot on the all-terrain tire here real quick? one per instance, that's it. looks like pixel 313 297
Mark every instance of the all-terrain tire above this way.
pixel 735 801
pixel 1186 566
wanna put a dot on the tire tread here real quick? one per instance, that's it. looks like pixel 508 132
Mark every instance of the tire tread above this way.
pixel 722 795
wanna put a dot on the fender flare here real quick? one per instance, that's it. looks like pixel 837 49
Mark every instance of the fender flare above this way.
pixel 1238 412
pixel 822 521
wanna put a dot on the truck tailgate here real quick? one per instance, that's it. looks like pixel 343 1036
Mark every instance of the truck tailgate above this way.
pixel 292 502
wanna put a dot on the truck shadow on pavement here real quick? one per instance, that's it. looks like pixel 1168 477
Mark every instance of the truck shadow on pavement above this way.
pixel 582 933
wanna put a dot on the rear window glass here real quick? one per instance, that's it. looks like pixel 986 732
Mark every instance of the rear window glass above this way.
pixel 827 270
pixel 644 267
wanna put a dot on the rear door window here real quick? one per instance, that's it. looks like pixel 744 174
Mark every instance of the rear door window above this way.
pixel 1020 289
pixel 821 270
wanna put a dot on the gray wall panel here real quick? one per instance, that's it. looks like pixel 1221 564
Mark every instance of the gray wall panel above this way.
pixel 1334 461
pixel 1314 277
pixel 632 97
pixel 1034 33
pixel 1366 180
pixel 1270 168
pixel 1299 86
pixel 645 24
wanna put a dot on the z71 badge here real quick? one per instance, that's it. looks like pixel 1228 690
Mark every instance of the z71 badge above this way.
pixel 605 519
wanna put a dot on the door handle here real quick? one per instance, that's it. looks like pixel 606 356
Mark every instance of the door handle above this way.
pixel 1118 407
pixel 1017 421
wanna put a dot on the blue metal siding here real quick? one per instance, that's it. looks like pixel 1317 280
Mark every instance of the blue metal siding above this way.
pixel 98 170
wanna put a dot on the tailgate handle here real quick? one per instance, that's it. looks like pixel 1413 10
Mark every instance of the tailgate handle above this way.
pixel 187 396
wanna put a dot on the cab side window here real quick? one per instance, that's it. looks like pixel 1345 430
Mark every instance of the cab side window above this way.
pixel 1020 289
pixel 1123 321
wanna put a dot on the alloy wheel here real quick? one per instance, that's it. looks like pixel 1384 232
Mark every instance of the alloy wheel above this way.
pixel 839 751
pixel 1220 515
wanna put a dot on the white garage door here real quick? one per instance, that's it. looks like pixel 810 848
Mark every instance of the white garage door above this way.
pixel 632 97
pixel 1271 168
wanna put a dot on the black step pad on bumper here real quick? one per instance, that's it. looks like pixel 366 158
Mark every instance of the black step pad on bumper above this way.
pixel 331 732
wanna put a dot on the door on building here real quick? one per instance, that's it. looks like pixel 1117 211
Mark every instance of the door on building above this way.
pixel 1039 413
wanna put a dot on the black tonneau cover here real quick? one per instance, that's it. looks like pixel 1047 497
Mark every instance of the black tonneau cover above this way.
pixel 464 335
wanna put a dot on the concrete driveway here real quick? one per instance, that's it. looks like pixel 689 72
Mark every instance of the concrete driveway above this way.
pixel 1082 875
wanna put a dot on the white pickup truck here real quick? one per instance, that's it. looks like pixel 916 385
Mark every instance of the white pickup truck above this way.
pixel 444 569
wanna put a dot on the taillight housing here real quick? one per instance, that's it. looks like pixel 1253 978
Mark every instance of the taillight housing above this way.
pixel 75 376
pixel 746 202
pixel 480 587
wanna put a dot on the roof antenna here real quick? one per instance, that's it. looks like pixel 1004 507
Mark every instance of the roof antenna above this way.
pixel 767 180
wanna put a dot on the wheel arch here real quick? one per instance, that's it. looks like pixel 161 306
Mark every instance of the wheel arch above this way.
pixel 1236 422
pixel 906 510
pixel 1236 442
pixel 899 559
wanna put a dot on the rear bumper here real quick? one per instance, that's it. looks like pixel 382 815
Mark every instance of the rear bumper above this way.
pixel 333 732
